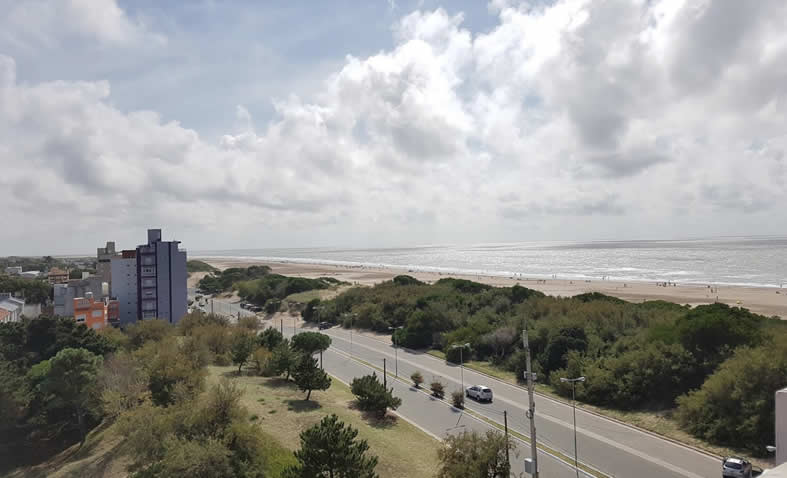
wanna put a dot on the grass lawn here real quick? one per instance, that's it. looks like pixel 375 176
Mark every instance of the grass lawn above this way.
pixel 403 449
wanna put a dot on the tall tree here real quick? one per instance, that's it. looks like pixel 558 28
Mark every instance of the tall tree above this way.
pixel 471 455
pixel 308 376
pixel 330 449
pixel 311 342
pixel 283 359
pixel 242 347
pixel 70 378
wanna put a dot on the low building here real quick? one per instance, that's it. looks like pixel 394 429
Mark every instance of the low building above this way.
pixel 91 312
pixel 13 270
pixel 12 307
pixel 57 276
pixel 64 294
pixel 30 274
pixel 4 316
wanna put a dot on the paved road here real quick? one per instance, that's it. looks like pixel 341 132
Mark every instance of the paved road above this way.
pixel 609 446
pixel 221 307
pixel 434 416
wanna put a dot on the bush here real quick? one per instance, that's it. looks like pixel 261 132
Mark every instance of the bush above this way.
pixel 458 399
pixel 470 454
pixel 372 395
pixel 145 331
pixel 735 406
pixel 249 322
pixel 417 379
pixel 261 358
pixel 438 389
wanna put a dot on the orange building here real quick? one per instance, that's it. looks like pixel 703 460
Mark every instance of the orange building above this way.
pixel 91 312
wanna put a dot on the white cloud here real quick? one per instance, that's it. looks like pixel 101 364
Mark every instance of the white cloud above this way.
pixel 570 120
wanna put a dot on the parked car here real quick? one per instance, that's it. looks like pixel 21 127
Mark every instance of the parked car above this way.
pixel 733 467
pixel 479 392
pixel 325 325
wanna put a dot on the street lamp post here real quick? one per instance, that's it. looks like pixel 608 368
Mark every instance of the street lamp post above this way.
pixel 396 349
pixel 573 382
pixel 351 315
pixel 461 362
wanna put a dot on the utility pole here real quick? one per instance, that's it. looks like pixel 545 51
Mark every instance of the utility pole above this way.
pixel 211 306
pixel 505 425
pixel 385 376
pixel 531 410
pixel 281 326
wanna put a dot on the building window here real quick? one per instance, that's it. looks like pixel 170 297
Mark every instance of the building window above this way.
pixel 80 318
pixel 98 313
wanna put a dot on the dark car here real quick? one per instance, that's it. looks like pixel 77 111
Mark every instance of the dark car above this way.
pixel 324 325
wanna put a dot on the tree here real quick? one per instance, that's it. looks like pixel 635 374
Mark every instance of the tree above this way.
pixel 308 376
pixel 70 378
pixel 283 359
pixel 311 342
pixel 124 385
pixel 330 449
pixel 172 375
pixel 309 313
pixel 147 330
pixel 470 455
pixel 206 458
pixel 735 405
pixel 417 379
pixel 373 396
pixel 270 338
pixel 242 347
pixel 261 359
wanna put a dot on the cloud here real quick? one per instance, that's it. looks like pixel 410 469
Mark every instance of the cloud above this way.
pixel 581 115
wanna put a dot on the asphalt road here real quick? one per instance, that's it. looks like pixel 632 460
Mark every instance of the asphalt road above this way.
pixel 614 448
pixel 434 416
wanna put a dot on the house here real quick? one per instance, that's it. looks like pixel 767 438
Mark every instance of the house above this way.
pixel 57 276
pixel 12 308
pixel 91 312
pixel 64 294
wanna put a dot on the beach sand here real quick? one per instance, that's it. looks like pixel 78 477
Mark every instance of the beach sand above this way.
pixel 769 301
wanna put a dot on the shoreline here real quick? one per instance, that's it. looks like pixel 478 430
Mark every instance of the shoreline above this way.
pixel 768 301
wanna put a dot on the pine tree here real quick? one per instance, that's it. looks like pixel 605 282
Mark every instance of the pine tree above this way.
pixel 283 358
pixel 330 449
pixel 308 376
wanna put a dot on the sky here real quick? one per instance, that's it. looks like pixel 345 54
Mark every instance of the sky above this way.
pixel 247 124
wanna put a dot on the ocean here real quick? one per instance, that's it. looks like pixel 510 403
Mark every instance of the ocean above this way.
pixel 746 261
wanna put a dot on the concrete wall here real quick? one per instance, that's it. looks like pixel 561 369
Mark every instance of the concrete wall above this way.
pixel 124 288
pixel 781 426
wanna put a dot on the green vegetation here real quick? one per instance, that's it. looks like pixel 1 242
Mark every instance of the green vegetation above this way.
pixel 33 263
pixel 199 266
pixel 471 455
pixel 34 291
pixel 224 281
pixel 403 449
pixel 330 449
pixel 417 379
pixel 636 357
pixel 273 288
pixel 308 376
pixel 372 395
pixel 458 399
pixel 311 342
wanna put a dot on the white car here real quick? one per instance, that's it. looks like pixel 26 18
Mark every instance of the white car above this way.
pixel 479 392
pixel 736 468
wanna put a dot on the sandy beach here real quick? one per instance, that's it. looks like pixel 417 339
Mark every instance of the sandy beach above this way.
pixel 769 301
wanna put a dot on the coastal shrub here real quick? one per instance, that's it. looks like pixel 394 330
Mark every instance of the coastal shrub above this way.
pixel 270 338
pixel 470 454
pixel 223 281
pixel 406 280
pixel 437 388
pixel 458 399
pixel 417 379
pixel 735 406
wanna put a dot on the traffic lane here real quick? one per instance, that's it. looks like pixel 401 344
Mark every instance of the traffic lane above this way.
pixel 603 453
pixel 679 457
pixel 436 417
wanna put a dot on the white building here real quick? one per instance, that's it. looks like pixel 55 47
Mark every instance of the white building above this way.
pixel 30 274
pixel 13 270
pixel 12 307
pixel 124 285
